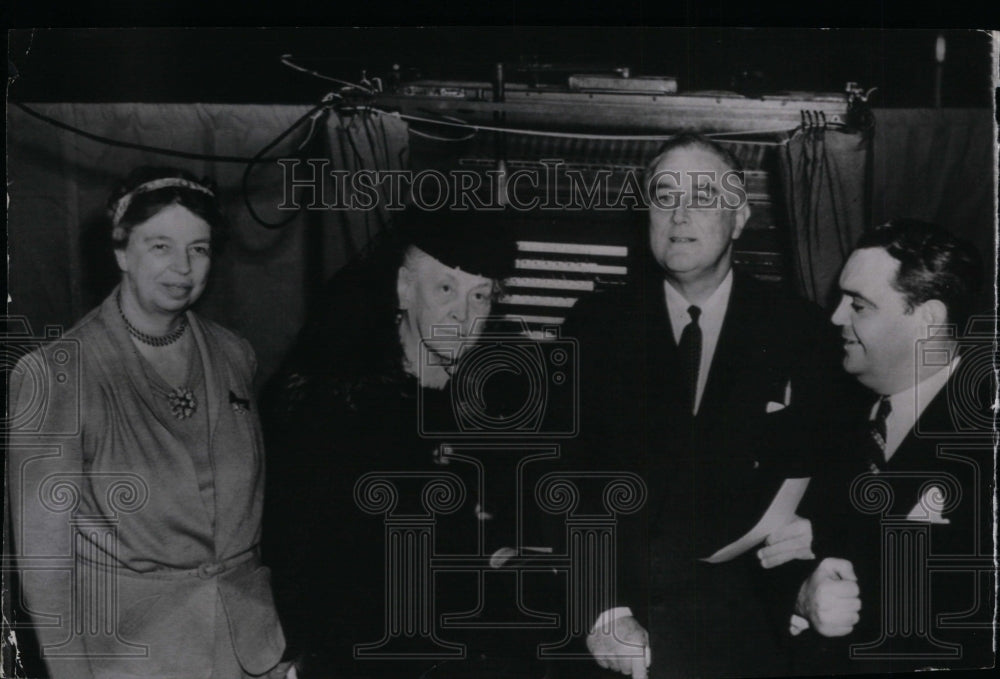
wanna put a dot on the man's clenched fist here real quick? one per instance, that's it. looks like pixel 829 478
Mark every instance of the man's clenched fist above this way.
pixel 621 645
pixel 829 599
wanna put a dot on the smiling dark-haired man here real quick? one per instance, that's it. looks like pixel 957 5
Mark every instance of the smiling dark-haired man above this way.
pixel 903 513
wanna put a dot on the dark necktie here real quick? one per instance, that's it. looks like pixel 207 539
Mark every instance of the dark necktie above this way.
pixel 689 350
pixel 875 443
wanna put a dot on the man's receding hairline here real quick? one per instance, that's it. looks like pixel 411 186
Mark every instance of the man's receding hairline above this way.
pixel 697 144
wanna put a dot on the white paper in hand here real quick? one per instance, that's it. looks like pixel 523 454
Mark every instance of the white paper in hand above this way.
pixel 780 513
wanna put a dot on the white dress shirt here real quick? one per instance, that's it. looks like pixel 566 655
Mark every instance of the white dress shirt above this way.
pixel 713 313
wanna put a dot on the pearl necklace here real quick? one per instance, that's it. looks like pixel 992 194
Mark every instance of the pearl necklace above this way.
pixel 152 340
pixel 181 399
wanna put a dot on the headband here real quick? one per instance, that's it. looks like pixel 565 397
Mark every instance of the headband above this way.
pixel 122 205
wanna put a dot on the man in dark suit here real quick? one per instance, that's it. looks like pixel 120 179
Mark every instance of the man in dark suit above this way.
pixel 713 386
pixel 904 512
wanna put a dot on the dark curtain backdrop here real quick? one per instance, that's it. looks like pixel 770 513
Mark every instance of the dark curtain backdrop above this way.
pixel 932 164
pixel 824 174
pixel 58 182
pixel 939 165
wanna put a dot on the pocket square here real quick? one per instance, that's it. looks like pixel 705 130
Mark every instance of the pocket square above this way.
pixel 779 395
pixel 928 508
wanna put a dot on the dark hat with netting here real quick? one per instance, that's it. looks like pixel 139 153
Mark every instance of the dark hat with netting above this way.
pixel 477 242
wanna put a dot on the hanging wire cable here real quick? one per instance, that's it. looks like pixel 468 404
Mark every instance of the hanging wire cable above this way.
pixel 160 150
pixel 585 135
pixel 448 123
pixel 317 112
pixel 434 137
pixel 286 59
pixel 132 145
pixel 313 115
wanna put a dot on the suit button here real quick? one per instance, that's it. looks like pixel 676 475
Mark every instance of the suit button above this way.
pixel 756 464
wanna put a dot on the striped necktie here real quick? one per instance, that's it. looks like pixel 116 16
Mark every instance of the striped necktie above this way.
pixel 877 434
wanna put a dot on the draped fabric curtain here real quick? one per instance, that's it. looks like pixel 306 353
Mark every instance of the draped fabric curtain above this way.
pixel 825 175
pixel 58 182
pixel 939 165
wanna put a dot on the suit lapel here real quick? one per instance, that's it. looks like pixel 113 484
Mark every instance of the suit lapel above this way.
pixel 659 345
pixel 918 449
pixel 731 351
pixel 916 459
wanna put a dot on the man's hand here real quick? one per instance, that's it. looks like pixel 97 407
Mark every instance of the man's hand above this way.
pixel 791 541
pixel 829 598
pixel 621 645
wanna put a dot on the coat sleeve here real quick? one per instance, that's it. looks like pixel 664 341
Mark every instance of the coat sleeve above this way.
pixel 822 399
pixel 822 395
pixel 44 479
pixel 604 381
